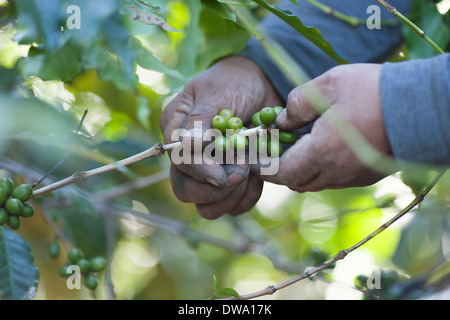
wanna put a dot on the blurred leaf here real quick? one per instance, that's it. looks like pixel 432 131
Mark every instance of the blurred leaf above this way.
pixel 426 16
pixel 19 277
pixel 143 112
pixel 146 13
pixel 229 292
pixel 61 64
pixel 417 180
pixel 21 115
pixel 386 200
pixel 188 48
pixel 97 57
pixel 312 34
pixel 420 245
pixel 222 38
pixel 245 3
pixel 81 223
pixel 148 61
pixel 94 19
pixel 356 226
pixel 39 20
pixel 220 9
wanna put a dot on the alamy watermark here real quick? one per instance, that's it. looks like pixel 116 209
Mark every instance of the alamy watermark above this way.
pixel 374 20
pixel 74 20
pixel 74 277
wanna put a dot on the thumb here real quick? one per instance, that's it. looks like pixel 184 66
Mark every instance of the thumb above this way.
pixel 305 103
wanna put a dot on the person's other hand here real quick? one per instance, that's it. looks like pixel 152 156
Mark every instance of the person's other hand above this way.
pixel 234 83
pixel 322 159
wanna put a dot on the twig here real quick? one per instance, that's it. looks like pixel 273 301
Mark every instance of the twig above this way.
pixel 156 151
pixel 343 253
pixel 410 24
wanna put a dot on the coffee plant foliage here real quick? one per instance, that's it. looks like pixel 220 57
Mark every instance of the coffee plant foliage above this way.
pixel 89 92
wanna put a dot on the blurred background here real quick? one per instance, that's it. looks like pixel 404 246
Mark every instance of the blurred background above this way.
pixel 124 71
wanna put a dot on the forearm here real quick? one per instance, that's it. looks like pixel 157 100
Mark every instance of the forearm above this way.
pixel 355 44
pixel 416 107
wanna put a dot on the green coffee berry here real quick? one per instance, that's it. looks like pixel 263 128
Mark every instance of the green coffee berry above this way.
pixel 278 109
pixel 22 192
pixel 235 124
pixel 75 254
pixel 53 249
pixel 3 197
pixel 98 264
pixel 360 281
pixel 267 116
pixel 226 113
pixel 261 146
pixel 287 137
pixel 256 120
pixel 222 144
pixel 28 210
pixel 13 222
pixel 3 216
pixel 220 123
pixel 14 206
pixel 238 142
pixel 7 184
pixel 63 272
pixel 275 148
pixel 84 265
pixel 91 281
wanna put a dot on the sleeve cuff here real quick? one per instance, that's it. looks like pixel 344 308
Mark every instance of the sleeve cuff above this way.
pixel 416 108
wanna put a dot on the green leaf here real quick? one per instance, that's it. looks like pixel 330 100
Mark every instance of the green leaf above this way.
pixel 147 13
pixel 94 18
pixel 229 292
pixel 426 16
pixel 81 223
pixel 220 8
pixel 60 64
pixel 39 20
pixel 148 61
pixel 224 39
pixel 97 57
pixel 19 277
pixel 188 49
pixel 312 34
pixel 245 3
pixel 143 112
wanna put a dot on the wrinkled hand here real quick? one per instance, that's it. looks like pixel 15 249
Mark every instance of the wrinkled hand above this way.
pixel 234 83
pixel 322 159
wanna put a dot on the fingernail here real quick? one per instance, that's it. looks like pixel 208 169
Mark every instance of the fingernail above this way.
pixel 213 182
pixel 235 179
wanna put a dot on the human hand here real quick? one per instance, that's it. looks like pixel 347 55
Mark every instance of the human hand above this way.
pixel 322 159
pixel 234 83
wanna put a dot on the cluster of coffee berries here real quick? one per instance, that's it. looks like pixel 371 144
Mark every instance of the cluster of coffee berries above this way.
pixel 229 126
pixel 13 203
pixel 88 268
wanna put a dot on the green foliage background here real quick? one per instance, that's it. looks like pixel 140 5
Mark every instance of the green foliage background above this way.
pixel 124 71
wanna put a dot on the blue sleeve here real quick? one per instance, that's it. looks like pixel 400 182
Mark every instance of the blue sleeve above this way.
pixel 355 44
pixel 415 97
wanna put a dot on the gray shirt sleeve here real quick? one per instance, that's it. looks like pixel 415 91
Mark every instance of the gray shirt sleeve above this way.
pixel 355 44
pixel 415 98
